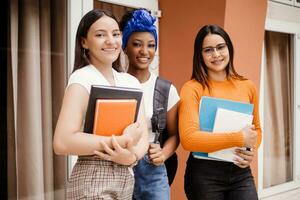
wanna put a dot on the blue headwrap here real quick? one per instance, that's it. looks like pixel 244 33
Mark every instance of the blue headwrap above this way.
pixel 141 21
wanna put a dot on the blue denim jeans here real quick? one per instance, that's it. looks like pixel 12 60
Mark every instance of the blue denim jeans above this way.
pixel 217 180
pixel 151 182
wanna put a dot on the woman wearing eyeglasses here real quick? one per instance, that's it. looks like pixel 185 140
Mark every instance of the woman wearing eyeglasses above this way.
pixel 214 76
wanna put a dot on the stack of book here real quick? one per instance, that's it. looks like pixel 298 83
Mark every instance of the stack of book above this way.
pixel 218 115
pixel 111 109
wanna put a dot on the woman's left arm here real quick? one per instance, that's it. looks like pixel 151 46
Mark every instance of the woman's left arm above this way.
pixel 256 121
pixel 157 155
pixel 246 156
pixel 140 149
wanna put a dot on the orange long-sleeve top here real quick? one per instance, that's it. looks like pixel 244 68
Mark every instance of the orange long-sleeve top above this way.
pixel 191 136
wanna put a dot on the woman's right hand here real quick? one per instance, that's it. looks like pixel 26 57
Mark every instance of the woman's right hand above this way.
pixel 250 136
pixel 133 132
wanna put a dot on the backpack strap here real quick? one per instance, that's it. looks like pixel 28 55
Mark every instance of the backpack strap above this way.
pixel 159 122
pixel 160 108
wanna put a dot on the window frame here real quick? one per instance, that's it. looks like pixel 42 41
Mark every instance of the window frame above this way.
pixel 295 3
pixel 290 27
pixel 288 2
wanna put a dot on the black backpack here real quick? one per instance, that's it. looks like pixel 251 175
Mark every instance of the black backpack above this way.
pixel 159 122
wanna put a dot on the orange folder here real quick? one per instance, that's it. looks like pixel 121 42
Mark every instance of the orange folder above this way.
pixel 112 116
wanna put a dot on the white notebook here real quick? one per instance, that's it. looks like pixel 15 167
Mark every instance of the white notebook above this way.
pixel 229 121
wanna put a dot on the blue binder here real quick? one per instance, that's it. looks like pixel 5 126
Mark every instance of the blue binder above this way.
pixel 207 113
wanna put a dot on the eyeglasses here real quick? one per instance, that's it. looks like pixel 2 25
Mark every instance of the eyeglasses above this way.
pixel 220 48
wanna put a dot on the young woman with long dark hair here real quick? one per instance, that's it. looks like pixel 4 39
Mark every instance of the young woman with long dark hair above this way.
pixel 214 75
pixel 98 45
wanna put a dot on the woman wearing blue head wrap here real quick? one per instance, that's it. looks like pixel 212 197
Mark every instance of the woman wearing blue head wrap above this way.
pixel 140 44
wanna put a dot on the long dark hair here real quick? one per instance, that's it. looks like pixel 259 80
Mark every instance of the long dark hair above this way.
pixel 81 54
pixel 199 68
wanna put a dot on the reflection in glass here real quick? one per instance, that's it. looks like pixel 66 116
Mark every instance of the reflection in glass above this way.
pixel 278 110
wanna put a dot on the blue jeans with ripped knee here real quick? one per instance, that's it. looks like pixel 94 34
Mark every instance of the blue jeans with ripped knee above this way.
pixel 151 182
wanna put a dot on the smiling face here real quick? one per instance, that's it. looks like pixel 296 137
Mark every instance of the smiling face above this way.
pixel 215 56
pixel 103 41
pixel 140 50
